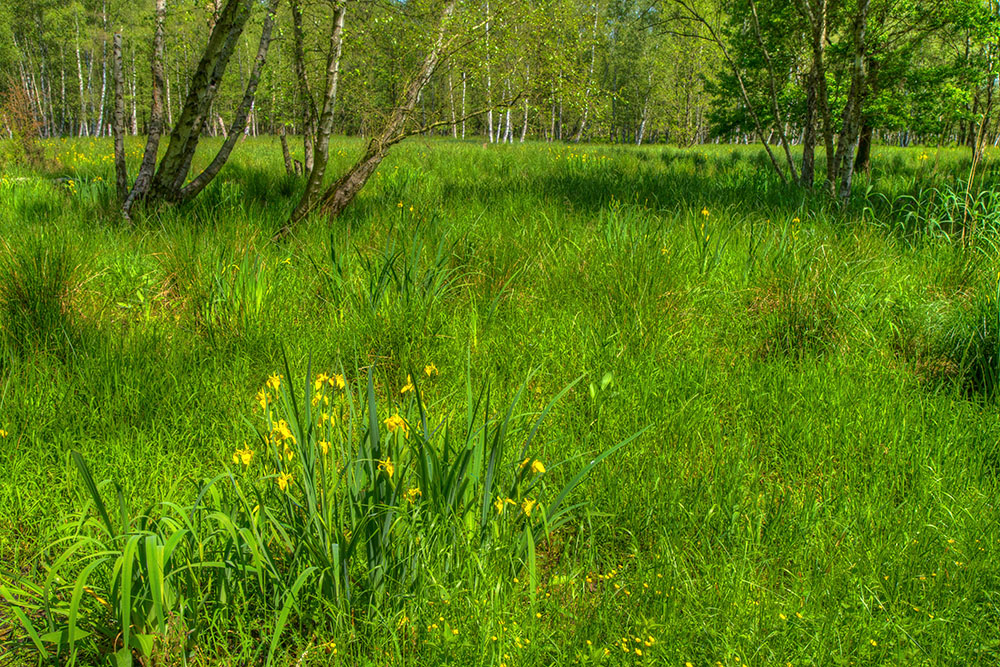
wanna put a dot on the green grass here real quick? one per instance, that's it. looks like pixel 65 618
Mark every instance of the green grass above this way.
pixel 817 478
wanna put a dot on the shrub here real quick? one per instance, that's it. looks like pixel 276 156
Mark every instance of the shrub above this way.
pixel 19 118
pixel 36 282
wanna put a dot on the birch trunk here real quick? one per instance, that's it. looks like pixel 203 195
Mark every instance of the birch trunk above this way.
pixel 322 151
pixel 238 126
pixel 308 105
pixel 118 121
pixel 340 195
pixel 808 172
pixel 848 141
pixel 185 134
pixel 79 73
pixel 144 177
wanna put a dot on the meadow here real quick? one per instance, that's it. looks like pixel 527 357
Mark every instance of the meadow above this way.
pixel 798 403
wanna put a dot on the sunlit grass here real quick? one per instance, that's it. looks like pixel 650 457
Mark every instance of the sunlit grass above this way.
pixel 817 483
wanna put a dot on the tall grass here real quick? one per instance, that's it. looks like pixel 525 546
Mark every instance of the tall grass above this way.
pixel 816 484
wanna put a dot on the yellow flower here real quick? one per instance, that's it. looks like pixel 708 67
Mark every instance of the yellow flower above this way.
pixel 396 422
pixel 411 494
pixel 283 480
pixel 324 418
pixel 399 205
pixel 528 505
pixel 243 456
pixel 795 221
pixel 337 381
pixel 274 382
pixel 387 466
pixel 408 386
pixel 536 465
pixel 282 432
pixel 500 503
pixel 3 433
pixel 324 447
pixel 430 369
pixel 289 454
pixel 263 399
pixel 320 380
pixel 704 212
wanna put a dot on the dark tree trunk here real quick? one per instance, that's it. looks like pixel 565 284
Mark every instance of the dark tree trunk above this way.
pixel 848 141
pixel 863 161
pixel 322 151
pixel 236 130
pixel 308 104
pixel 184 137
pixel 285 153
pixel 118 121
pixel 144 178
pixel 808 175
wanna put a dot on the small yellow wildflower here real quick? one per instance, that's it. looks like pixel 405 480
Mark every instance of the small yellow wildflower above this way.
pixel 274 382
pixel 408 386
pixel 411 495
pixel 3 433
pixel 536 466
pixel 282 432
pixel 243 456
pixel 430 369
pixel 263 399
pixel 528 505
pixel 283 480
pixel 337 381
pixel 499 504
pixel 289 454
pixel 324 447
pixel 321 379
pixel 395 423
pixel 704 212
pixel 387 466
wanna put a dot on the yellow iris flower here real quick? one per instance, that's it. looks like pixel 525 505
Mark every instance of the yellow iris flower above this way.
pixel 283 480
pixel 243 456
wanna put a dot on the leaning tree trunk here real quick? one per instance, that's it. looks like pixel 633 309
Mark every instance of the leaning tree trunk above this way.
pixel 238 126
pixel 144 178
pixel 341 193
pixel 184 137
